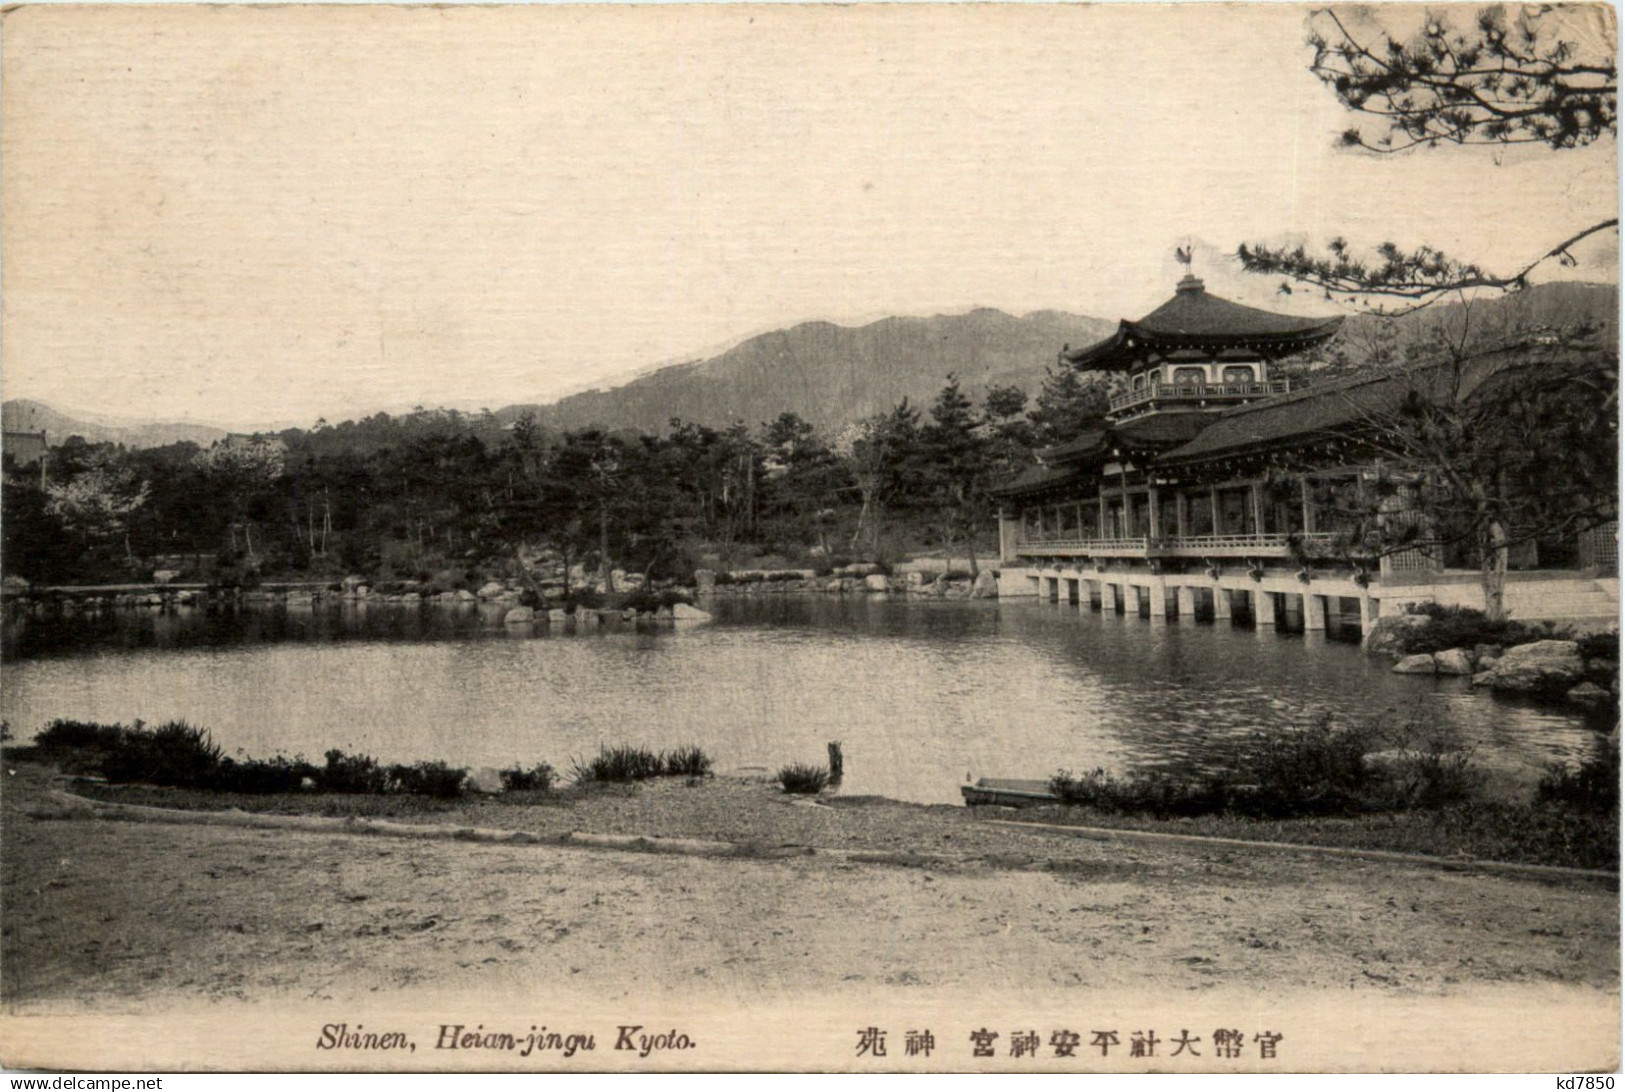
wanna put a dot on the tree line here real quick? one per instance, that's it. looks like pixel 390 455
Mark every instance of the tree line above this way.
pixel 444 496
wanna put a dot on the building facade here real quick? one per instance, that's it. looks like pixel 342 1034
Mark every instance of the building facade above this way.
pixel 1214 489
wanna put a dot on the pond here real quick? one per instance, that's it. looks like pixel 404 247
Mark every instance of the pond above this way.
pixel 922 695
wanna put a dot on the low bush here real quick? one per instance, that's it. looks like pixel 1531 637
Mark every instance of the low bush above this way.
pixel 434 779
pixel 1592 787
pixel 803 779
pixel 259 776
pixel 1464 627
pixel 175 754
pixel 686 762
pixel 78 735
pixel 620 764
pixel 539 778
pixel 783 576
pixel 955 575
pixel 647 600
pixel 1599 646
pixel 351 774
pixel 1318 770
pixel 583 599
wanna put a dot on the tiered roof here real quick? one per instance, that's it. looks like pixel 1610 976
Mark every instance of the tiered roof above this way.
pixel 1205 326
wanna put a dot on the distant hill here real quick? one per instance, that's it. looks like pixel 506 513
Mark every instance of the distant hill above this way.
pixel 832 375
pixel 1559 305
pixel 27 415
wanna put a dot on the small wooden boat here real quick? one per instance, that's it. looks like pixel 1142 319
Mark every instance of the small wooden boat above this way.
pixel 1008 792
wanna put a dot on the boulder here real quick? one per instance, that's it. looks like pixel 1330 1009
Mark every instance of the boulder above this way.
pixel 860 568
pixel 915 578
pixel 1483 678
pixel 986 585
pixel 486 779
pixel 683 612
pixel 1589 695
pixel 463 595
pixel 1391 636
pixel 876 582
pixel 1420 664
pixel 557 617
pixel 1541 667
pixel 164 576
pixel 705 580
pixel 491 590
pixel 1453 661
pixel 353 582
pixel 519 616
pixel 1484 655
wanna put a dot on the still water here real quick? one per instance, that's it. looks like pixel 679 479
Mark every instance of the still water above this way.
pixel 921 694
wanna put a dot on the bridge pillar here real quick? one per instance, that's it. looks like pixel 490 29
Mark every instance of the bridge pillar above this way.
pixel 1314 612
pixel 1185 601
pixel 1263 608
pixel 1157 593
pixel 1221 604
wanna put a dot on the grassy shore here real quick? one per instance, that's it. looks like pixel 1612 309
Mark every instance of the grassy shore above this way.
pixel 756 811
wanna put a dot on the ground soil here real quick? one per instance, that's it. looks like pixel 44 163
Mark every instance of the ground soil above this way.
pixel 95 908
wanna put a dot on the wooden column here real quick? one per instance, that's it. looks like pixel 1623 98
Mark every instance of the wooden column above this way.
pixel 1213 502
pixel 1100 514
pixel 1257 490
pixel 1153 513
pixel 1182 514
pixel 1308 506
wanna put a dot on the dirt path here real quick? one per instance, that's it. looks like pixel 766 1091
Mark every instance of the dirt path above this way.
pixel 96 908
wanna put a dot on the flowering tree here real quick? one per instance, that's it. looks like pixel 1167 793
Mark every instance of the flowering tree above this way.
pixel 97 503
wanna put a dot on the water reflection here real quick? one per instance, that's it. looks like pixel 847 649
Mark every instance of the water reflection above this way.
pixel 920 693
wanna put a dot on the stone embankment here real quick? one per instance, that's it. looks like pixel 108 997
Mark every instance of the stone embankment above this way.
pixel 861 579
pixel 1552 668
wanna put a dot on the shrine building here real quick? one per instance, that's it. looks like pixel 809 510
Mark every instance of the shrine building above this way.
pixel 1211 490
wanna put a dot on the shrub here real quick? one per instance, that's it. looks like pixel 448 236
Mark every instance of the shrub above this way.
pixel 529 598
pixel 253 775
pixel 351 774
pixel 77 735
pixel 1590 788
pixel 434 779
pixel 955 575
pixel 783 576
pixel 583 599
pixel 539 778
pixel 620 764
pixel 1318 770
pixel 646 600
pixel 174 754
pixel 1152 793
pixel 687 762
pixel 1599 646
pixel 803 779
pixel 1464 627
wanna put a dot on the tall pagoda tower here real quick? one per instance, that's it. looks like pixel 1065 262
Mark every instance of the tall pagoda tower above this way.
pixel 1199 352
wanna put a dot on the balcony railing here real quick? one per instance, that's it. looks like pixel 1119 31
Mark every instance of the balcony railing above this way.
pixel 1275 545
pixel 1198 392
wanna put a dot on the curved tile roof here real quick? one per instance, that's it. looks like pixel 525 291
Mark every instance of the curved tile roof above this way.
pixel 1195 318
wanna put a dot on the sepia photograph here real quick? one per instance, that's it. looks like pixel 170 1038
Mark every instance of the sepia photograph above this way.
pixel 793 537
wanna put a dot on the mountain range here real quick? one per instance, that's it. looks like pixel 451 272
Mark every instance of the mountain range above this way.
pixel 832 375
pixel 27 415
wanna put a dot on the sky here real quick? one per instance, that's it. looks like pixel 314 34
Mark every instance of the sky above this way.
pixel 257 215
